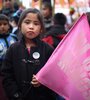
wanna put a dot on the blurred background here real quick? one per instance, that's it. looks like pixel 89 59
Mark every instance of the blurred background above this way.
pixel 64 6
pixel 71 8
pixel 80 6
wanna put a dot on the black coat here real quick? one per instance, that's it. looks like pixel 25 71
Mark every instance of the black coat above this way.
pixel 18 68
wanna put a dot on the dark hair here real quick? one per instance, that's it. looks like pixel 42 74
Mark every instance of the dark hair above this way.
pixel 59 18
pixel 88 17
pixel 4 17
pixel 32 10
pixel 48 5
pixel 16 6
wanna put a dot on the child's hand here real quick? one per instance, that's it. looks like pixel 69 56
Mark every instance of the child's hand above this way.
pixel 35 82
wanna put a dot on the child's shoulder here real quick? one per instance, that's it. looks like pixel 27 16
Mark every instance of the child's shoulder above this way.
pixel 46 43
pixel 47 46
pixel 16 44
pixel 14 36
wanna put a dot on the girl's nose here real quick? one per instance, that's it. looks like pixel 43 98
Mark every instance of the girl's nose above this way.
pixel 31 26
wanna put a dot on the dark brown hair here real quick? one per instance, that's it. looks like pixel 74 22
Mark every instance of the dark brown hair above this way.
pixel 60 19
pixel 4 17
pixel 48 5
pixel 32 10
pixel 88 17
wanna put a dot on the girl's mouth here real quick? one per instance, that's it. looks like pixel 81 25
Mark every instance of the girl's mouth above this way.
pixel 30 32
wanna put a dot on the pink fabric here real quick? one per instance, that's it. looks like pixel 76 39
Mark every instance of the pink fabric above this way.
pixel 67 72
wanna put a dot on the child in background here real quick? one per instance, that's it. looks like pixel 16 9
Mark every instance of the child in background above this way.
pixel 25 58
pixel 14 22
pixel 7 7
pixel 6 39
pixel 57 32
pixel 47 14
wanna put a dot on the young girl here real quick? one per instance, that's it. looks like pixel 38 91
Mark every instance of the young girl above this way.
pixel 25 58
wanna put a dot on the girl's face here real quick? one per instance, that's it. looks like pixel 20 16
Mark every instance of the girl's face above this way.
pixel 31 26
pixel 4 27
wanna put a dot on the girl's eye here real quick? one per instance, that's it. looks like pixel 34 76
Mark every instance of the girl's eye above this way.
pixel 37 23
pixel 27 22
pixel 33 22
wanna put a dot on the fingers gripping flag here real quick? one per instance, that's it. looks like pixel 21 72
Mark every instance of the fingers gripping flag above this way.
pixel 67 72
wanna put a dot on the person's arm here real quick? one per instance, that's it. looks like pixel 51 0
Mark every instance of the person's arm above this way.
pixel 9 81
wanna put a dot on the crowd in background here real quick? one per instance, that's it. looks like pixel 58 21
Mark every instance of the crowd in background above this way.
pixel 10 32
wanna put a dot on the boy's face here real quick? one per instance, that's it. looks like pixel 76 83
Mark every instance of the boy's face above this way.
pixel 4 27
pixel 46 11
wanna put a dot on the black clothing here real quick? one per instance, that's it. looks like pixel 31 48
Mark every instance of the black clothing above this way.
pixel 7 11
pixel 55 35
pixel 18 68
pixel 56 30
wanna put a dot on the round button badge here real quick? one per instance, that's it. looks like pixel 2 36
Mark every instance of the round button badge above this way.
pixel 36 55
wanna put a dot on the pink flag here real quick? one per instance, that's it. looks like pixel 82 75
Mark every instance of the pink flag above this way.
pixel 67 72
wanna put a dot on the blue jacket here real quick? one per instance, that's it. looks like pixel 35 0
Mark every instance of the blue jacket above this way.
pixel 5 42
